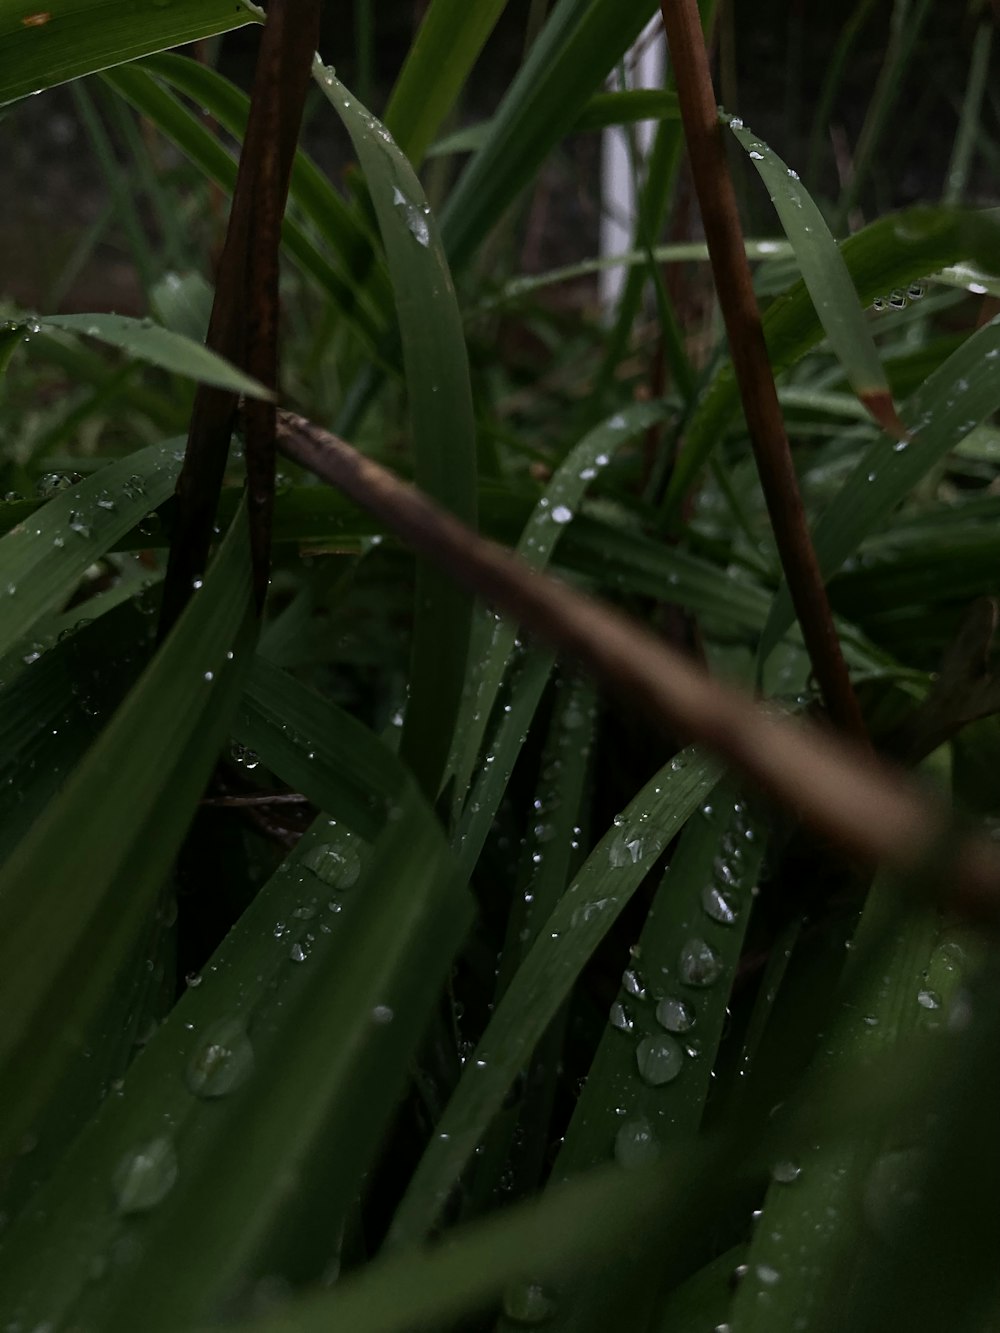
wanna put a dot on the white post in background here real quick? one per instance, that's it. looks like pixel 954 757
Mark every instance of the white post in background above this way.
pixel 644 67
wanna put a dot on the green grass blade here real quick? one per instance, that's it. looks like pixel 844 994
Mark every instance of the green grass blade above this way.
pixel 43 557
pixel 75 893
pixel 526 690
pixel 550 519
pixel 436 365
pixel 569 60
pixel 891 252
pixel 446 46
pixel 146 341
pixel 821 1199
pixel 582 1226
pixel 70 38
pixel 610 876
pixel 514 1153
pixel 963 391
pixel 656 1058
pixel 258 1100
pixel 601 111
pixel 822 266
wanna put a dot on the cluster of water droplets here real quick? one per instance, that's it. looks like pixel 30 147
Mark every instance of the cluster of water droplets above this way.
pixel 899 298
pixel 661 1054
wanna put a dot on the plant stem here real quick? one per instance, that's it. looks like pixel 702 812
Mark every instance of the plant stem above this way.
pixel 714 186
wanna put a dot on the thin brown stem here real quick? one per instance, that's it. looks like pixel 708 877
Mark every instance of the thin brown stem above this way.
pixel 836 786
pixel 748 350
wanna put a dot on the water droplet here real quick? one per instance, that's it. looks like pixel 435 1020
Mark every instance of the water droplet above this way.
pixel 626 849
pixel 416 217
pixel 897 298
pixel 929 999
pixel 699 964
pixel 878 303
pixel 78 524
pixel 145 1176
pixel 561 514
pixel 659 1060
pixel 193 979
pixel 785 1172
pixel 632 983
pixel 768 1275
pixel 52 483
pixel 299 953
pixel 619 1017
pixel 674 1015
pixel 915 291
pixel 721 906
pixel 222 1062
pixel 382 1014
pixel 757 157
pixel 636 1145
pixel 337 866
pixel 528 1303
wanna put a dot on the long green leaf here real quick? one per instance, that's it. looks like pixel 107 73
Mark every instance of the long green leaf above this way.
pixel 76 892
pixel 43 557
pixel 240 1104
pixel 447 43
pixel 891 252
pixel 821 264
pixel 655 1061
pixel 569 60
pixel 586 912
pixel 440 407
pixel 69 38
pixel 960 394
pixel 150 342
pixel 551 518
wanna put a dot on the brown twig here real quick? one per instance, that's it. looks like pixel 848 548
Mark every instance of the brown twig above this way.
pixel 748 350
pixel 836 786
pixel 243 323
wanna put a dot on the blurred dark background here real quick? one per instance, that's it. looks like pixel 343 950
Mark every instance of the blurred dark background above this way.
pixel 772 60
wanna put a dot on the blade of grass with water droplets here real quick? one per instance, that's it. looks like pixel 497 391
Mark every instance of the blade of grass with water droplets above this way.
pixel 963 391
pixel 826 278
pixel 586 912
pixel 820 1199
pixel 657 1056
pixel 527 687
pixel 70 38
pixel 436 366
pixel 76 891
pixel 150 342
pixel 512 1157
pixel 892 252
pixel 551 517
pixel 42 559
pixel 251 1178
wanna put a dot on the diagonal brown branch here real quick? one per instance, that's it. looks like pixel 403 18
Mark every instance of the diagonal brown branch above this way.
pixel 836 786
pixel 752 368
